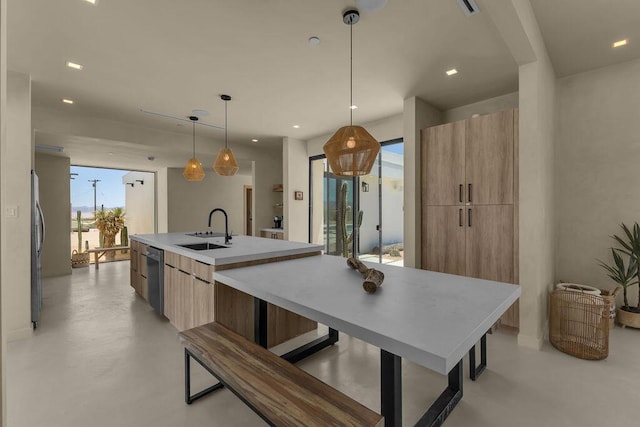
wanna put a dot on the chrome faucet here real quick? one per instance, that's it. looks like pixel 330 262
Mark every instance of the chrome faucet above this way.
pixel 227 236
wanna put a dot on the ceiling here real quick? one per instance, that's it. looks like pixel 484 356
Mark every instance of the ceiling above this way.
pixel 175 56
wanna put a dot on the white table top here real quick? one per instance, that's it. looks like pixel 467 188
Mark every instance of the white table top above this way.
pixel 241 249
pixel 430 318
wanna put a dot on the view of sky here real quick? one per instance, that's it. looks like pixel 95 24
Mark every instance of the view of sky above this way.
pixel 394 148
pixel 110 191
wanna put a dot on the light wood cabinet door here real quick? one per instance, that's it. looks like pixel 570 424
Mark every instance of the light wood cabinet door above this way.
pixel 234 309
pixel 489 159
pixel 489 249
pixel 184 306
pixel 170 297
pixel 443 231
pixel 443 164
pixel 203 305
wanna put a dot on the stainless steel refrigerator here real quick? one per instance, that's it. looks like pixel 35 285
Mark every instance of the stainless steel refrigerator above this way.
pixel 37 241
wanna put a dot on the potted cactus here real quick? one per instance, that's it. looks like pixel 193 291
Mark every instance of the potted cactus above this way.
pixel 629 275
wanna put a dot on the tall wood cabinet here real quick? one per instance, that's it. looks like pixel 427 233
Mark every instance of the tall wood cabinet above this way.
pixel 469 199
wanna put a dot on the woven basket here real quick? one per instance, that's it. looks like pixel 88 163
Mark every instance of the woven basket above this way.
pixel 79 259
pixel 579 324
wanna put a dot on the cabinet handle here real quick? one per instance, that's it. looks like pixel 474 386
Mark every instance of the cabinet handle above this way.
pixel 469 217
pixel 460 217
pixel 469 193
pixel 460 190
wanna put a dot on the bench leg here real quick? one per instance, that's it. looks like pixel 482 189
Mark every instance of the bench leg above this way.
pixel 188 398
pixel 97 258
pixel 475 371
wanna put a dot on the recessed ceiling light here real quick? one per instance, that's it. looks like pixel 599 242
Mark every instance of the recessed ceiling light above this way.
pixel 254 140
pixel 296 126
pixel 314 41
pixel 451 72
pixel 94 2
pixel 619 43
pixel 67 100
pixel 74 65
pixel 200 113
pixel 353 107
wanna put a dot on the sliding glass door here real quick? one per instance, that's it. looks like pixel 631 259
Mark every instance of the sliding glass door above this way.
pixel 376 206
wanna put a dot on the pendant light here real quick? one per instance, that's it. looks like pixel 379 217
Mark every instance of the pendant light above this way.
pixel 193 170
pixel 351 151
pixel 226 163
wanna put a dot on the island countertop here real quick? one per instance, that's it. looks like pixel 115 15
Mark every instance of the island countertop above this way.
pixel 240 249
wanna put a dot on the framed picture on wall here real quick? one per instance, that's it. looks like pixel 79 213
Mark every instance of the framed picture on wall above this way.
pixel 297 195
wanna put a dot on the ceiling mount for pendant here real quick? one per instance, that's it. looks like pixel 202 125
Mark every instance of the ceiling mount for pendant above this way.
pixel 351 17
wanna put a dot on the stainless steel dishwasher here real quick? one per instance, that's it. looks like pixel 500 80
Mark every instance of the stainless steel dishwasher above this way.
pixel 155 278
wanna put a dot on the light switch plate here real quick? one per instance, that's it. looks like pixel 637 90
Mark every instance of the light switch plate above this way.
pixel 11 212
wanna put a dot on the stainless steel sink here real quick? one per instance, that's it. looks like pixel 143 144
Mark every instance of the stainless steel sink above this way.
pixel 205 246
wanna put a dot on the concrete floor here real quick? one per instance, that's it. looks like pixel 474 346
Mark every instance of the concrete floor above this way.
pixel 101 357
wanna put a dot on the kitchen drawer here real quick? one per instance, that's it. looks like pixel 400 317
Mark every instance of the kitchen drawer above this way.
pixel 185 264
pixel 142 265
pixel 202 271
pixel 171 259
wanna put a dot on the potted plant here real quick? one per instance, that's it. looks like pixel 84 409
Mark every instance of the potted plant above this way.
pixel 109 222
pixel 625 277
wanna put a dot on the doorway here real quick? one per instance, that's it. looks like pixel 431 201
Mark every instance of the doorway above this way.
pixel 248 210
pixel 108 205
pixel 374 202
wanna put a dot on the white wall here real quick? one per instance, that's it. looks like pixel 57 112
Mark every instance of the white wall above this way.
pixel 139 202
pixel 16 195
pixel 4 304
pixel 536 164
pixel 267 171
pixel 597 158
pixel 189 203
pixel 487 106
pixel 295 161
pixel 417 116
pixel 162 201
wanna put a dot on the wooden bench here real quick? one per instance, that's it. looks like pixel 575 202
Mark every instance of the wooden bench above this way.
pixel 278 391
pixel 99 252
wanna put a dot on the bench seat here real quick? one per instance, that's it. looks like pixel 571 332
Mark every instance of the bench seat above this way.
pixel 278 391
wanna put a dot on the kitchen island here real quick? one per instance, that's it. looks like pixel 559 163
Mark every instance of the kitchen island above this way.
pixel 190 295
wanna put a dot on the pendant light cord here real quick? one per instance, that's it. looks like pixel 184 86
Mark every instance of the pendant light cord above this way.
pixel 194 138
pixel 225 125
pixel 351 75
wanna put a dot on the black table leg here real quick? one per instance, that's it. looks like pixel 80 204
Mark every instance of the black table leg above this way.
pixel 391 388
pixel 442 407
pixel 475 371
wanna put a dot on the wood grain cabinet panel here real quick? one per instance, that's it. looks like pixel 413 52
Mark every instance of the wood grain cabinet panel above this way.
pixel 443 157
pixel 203 303
pixel 489 249
pixel 489 159
pixel 444 250
pixel 184 307
pixel 481 153
pixel 170 297
pixel 171 258
pixel 234 309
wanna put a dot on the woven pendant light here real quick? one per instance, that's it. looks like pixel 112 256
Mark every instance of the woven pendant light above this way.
pixel 226 163
pixel 351 151
pixel 193 170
